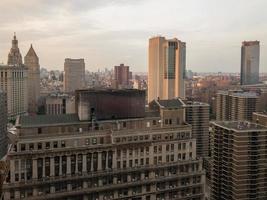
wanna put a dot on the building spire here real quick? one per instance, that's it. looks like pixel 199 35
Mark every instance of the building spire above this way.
pixel 14 56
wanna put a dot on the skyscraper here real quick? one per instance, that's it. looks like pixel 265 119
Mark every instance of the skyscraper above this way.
pixel 3 124
pixel 31 61
pixel 74 74
pixel 239 161
pixel 13 81
pixel 121 76
pixel 250 59
pixel 166 68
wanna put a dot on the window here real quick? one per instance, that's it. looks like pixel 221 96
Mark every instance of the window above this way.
pixel 154 122
pixel 31 146
pixel 155 149
pixel 39 146
pixel 63 144
pixel 147 161
pixel 166 121
pixel 55 144
pixel 184 146
pixel 22 147
pixel 124 124
pixel 94 140
pixel 47 145
pixel 39 130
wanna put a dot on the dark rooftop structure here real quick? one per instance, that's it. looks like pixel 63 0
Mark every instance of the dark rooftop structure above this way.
pixel 168 103
pixel 44 120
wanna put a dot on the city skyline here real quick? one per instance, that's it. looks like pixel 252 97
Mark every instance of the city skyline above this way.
pixel 100 33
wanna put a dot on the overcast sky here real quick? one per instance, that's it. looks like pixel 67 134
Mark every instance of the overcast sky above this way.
pixel 110 32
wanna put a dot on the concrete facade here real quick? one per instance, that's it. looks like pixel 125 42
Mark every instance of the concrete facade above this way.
pixel 63 157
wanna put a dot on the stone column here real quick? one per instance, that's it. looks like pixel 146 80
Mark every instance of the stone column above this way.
pixel 114 160
pixel 68 165
pixel 60 165
pixel 76 164
pixel 84 163
pixel 52 167
pixel 99 166
pixel 34 169
pixel 12 171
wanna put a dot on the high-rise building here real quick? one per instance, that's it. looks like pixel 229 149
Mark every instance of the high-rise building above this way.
pixel 197 114
pixel 121 76
pixel 166 68
pixel 148 155
pixel 239 167
pixel 74 74
pixel 250 60
pixel 31 61
pixel 236 105
pixel 3 124
pixel 13 81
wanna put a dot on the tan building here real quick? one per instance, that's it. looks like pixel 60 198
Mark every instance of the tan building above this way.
pixel 236 105
pixel 152 156
pixel 239 167
pixel 59 104
pixel 13 81
pixel 166 68
pixel 74 74
pixel 31 61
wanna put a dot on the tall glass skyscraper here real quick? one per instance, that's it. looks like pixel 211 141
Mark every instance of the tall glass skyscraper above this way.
pixel 250 59
pixel 166 68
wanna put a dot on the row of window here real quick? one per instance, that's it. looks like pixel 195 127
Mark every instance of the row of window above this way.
pixel 166 136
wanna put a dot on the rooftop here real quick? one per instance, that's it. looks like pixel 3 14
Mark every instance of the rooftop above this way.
pixel 240 126
pixel 44 120
pixel 170 103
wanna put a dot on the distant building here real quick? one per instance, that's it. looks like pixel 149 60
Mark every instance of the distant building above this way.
pixel 13 81
pixel 121 76
pixel 74 74
pixel 59 104
pixel 31 61
pixel 3 124
pixel 234 105
pixel 142 156
pixel 166 68
pixel 239 161
pixel 250 60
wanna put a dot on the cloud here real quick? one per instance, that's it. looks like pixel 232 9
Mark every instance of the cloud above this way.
pixel 106 32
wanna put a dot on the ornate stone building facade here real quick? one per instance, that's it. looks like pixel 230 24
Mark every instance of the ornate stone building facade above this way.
pixel 13 81
pixel 148 157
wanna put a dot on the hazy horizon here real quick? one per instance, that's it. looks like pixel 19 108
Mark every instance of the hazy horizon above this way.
pixel 107 33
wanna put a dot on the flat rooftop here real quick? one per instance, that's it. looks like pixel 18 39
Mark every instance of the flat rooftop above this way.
pixel 44 120
pixel 241 126
pixel 170 103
